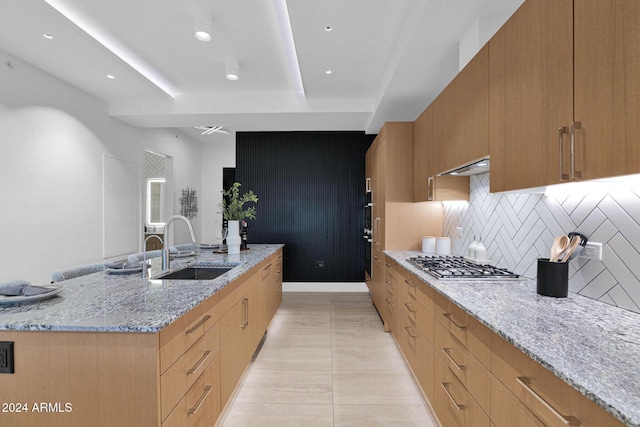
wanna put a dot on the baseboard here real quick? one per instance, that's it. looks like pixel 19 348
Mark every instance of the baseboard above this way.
pixel 324 287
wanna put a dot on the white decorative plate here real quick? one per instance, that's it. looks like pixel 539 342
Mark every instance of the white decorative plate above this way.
pixel 20 299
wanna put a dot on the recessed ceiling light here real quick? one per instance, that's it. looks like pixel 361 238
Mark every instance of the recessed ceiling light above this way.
pixel 231 69
pixel 328 71
pixel 111 76
pixel 47 36
pixel 328 29
pixel 202 27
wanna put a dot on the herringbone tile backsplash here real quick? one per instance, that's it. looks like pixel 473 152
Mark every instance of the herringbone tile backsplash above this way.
pixel 517 229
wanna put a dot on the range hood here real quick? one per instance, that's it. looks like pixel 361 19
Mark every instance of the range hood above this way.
pixel 474 168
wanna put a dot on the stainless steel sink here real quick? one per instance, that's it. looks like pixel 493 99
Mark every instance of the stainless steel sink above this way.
pixel 196 273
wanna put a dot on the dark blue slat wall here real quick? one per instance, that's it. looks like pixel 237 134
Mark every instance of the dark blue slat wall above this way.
pixel 311 191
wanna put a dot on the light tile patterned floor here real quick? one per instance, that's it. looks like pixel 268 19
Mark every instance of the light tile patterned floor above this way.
pixel 327 362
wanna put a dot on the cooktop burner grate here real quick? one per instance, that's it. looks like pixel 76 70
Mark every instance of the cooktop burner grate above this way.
pixel 456 267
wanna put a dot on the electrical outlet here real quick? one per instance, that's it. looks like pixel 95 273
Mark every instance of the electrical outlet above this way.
pixel 592 250
pixel 6 357
pixel 459 231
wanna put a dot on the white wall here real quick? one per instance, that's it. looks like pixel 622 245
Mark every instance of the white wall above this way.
pixel 53 139
pixel 219 153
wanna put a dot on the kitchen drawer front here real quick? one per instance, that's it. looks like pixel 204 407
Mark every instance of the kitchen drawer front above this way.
pixel 409 280
pixel 473 375
pixel 425 322
pixel 181 376
pixel 426 296
pixel 265 271
pixel 471 333
pixel 550 399
pixel 200 407
pixel 185 331
pixel 277 267
pixel 423 369
pixel 507 410
pixel 453 404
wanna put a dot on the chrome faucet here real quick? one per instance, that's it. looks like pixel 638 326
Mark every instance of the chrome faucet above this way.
pixel 165 251
pixel 144 254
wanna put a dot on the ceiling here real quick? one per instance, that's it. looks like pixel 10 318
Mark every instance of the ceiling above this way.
pixel 388 58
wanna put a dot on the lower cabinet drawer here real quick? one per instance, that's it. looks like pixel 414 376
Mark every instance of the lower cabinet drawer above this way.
pixel 423 368
pixel 468 370
pixel 179 378
pixel 549 398
pixel 507 410
pixel 454 406
pixel 200 407
pixel 472 334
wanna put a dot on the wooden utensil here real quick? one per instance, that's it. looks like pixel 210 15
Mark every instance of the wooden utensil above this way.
pixel 559 245
pixel 572 247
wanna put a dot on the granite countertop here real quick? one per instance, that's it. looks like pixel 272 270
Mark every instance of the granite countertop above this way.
pixel 106 302
pixel 594 347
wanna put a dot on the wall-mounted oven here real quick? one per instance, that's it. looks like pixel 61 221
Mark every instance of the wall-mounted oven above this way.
pixel 367 232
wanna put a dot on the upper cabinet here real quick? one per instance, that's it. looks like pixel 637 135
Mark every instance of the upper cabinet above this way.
pixel 542 130
pixel 427 186
pixel 607 88
pixel 461 116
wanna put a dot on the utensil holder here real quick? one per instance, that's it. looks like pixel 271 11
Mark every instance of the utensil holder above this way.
pixel 553 278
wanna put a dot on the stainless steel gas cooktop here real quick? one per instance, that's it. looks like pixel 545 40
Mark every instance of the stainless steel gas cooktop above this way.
pixel 456 267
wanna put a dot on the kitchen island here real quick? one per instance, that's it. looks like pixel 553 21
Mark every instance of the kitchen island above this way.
pixel 591 346
pixel 120 349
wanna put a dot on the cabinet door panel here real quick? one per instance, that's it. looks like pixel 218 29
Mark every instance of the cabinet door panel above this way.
pixel 607 85
pixel 530 95
pixel 461 117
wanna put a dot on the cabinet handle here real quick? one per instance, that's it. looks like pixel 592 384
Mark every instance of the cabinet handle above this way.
pixel 388 300
pixel 567 420
pixel 447 351
pixel 572 131
pixel 267 267
pixel 367 185
pixel 408 282
pixel 430 189
pixel 448 316
pixel 388 265
pixel 204 357
pixel 200 401
pixel 374 233
pixel 561 131
pixel 409 329
pixel 458 406
pixel 197 325
pixel 245 309
pixel 410 308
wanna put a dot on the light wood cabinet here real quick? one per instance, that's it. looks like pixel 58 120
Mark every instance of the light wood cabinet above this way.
pixel 607 87
pixel 461 116
pixel 175 377
pixel 507 410
pixel 465 329
pixel 472 374
pixel 473 377
pixel 427 185
pixel 235 338
pixel 201 404
pixel 564 78
pixel 549 398
pixel 531 95
pixel 397 222
pixel 453 404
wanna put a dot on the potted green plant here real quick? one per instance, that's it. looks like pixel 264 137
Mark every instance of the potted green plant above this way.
pixel 234 211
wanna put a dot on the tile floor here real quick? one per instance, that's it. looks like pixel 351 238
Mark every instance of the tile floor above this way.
pixel 327 362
